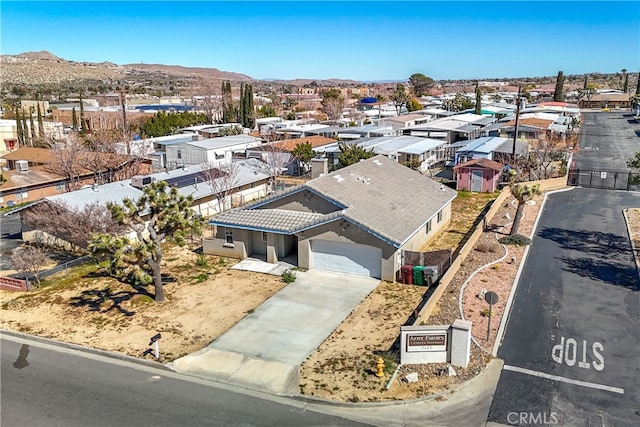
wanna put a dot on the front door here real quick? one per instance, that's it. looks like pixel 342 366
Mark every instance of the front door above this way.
pixel 476 181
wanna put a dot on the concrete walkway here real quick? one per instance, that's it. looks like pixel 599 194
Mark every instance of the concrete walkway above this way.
pixel 265 349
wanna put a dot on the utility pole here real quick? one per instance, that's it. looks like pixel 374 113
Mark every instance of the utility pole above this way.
pixel 515 129
pixel 125 135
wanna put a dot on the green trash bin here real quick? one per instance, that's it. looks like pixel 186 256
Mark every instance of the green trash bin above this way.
pixel 418 277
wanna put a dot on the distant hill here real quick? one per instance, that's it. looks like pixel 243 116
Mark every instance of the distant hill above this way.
pixel 41 55
pixel 212 73
pixel 43 67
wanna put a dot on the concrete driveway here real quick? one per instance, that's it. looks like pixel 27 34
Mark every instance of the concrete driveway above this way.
pixel 265 349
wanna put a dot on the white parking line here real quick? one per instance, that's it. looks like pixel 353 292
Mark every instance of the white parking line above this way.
pixel 563 379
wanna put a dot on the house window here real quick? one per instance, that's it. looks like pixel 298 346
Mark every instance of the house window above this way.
pixel 228 235
pixel 264 236
pixel 428 228
pixel 440 216
pixel 179 153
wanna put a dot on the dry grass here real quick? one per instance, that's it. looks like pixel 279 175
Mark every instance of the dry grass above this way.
pixel 464 211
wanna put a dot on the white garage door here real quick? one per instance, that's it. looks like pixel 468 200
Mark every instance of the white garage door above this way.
pixel 347 258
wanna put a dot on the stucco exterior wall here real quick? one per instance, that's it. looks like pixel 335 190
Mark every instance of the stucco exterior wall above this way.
pixel 349 233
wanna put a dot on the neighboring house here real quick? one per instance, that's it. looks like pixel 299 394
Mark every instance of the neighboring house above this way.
pixel 31 173
pixel 492 148
pixel 404 149
pixel 213 151
pixel 356 220
pixel 249 183
pixel 283 150
pixel 408 120
pixel 606 100
pixel 479 175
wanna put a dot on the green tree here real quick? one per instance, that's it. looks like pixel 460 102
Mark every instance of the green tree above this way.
pixel 478 99
pixel 161 213
pixel 638 85
pixel 625 84
pixel 32 126
pixel 247 108
pixel 266 111
pixel 333 103
pixel 459 103
pixel 399 97
pixel 228 108
pixel 522 194
pixel 40 121
pixel 420 83
pixel 352 153
pixel 558 95
pixel 74 119
pixel 83 125
pixel 19 127
pixel 303 152
pixel 163 123
pixel 414 105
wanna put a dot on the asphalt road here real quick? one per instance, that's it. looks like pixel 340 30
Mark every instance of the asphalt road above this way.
pixel 571 347
pixel 607 141
pixel 44 385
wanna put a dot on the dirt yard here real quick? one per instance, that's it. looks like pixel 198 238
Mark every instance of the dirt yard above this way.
pixel 204 301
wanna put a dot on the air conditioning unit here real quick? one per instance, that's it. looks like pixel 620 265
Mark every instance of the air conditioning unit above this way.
pixel 22 165
pixel 140 181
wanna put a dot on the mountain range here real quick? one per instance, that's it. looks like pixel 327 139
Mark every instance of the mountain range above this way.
pixel 43 67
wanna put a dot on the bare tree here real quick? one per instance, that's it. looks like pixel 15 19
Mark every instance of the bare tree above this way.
pixel 67 161
pixel 29 260
pixel 276 161
pixel 222 180
pixel 209 100
pixel 74 226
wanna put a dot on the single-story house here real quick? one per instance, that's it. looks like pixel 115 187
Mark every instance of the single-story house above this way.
pixel 479 175
pixel 492 148
pixel 279 153
pixel 356 220
pixel 606 100
pixel 242 183
pixel 213 151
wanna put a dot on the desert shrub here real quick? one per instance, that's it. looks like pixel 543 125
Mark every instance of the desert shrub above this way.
pixel 516 239
pixel 487 313
pixel 202 260
pixel 485 247
pixel 288 276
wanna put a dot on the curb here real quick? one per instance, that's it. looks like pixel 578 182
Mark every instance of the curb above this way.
pixel 514 286
pixel 84 349
pixel 476 378
pixel 633 246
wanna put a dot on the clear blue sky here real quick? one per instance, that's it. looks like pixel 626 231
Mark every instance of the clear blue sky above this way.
pixel 360 40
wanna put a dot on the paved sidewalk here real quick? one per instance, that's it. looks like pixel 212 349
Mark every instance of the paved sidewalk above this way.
pixel 265 349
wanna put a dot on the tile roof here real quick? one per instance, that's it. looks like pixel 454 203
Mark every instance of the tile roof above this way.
pixel 315 141
pixel 381 196
pixel 485 163
pixel 268 219
pixel 384 196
